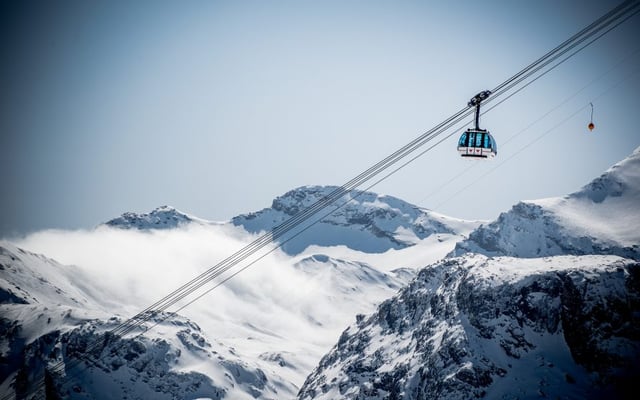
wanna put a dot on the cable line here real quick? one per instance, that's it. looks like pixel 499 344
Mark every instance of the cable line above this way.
pixel 306 214
pixel 157 312
pixel 532 142
pixel 382 165
pixel 565 101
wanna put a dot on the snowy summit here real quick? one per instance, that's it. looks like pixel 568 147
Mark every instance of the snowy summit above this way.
pixel 360 220
pixel 164 217
pixel 601 218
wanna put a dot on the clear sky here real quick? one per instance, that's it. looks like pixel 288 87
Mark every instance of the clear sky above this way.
pixel 216 107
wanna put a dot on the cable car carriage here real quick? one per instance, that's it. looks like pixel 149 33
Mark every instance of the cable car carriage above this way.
pixel 476 142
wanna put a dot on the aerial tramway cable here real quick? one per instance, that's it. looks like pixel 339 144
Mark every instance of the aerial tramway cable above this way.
pixel 597 26
pixel 376 169
pixel 467 169
pixel 538 138
pixel 157 311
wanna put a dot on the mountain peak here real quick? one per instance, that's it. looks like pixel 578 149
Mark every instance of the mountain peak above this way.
pixel 163 217
pixel 360 220
pixel 601 218
pixel 620 180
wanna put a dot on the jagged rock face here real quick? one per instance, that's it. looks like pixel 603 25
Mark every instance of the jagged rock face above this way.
pixel 49 313
pixel 133 368
pixel 88 362
pixel 164 217
pixel 367 221
pixel 473 327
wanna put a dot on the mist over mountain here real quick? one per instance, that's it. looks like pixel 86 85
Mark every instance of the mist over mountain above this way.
pixel 258 339
pixel 542 302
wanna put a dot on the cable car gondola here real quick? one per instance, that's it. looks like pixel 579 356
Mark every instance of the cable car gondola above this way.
pixel 476 142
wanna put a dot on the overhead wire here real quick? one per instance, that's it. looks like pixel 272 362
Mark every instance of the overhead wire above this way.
pixel 537 138
pixel 157 311
pixel 390 160
pixel 384 164
pixel 513 93
pixel 510 138
pixel 362 191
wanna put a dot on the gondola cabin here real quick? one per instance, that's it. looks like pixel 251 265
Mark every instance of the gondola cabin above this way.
pixel 477 143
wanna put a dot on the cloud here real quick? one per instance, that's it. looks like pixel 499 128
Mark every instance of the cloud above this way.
pixel 138 268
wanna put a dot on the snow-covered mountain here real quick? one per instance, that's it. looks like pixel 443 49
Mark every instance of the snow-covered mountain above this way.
pixel 364 221
pixel 563 327
pixel 33 278
pixel 51 313
pixel 556 319
pixel 270 329
pixel 164 217
pixel 601 218
pixel 542 302
pixel 254 354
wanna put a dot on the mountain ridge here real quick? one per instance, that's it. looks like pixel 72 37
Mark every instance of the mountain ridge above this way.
pixel 475 323
pixel 361 220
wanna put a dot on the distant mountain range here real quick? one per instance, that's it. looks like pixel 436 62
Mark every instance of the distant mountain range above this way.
pixel 542 302
pixel 360 220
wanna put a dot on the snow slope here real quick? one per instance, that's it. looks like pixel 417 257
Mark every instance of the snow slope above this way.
pixel 33 278
pixel 367 222
pixel 601 218
pixel 563 327
pixel 50 312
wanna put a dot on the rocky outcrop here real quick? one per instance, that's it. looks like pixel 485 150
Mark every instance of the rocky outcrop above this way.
pixel 476 327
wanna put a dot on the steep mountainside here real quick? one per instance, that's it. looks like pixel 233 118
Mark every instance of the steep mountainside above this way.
pixel 367 222
pixel 563 327
pixel 50 315
pixel 601 218
pixel 27 277
pixel 83 361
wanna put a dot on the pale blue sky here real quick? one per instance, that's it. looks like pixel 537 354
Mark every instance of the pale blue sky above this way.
pixel 216 107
